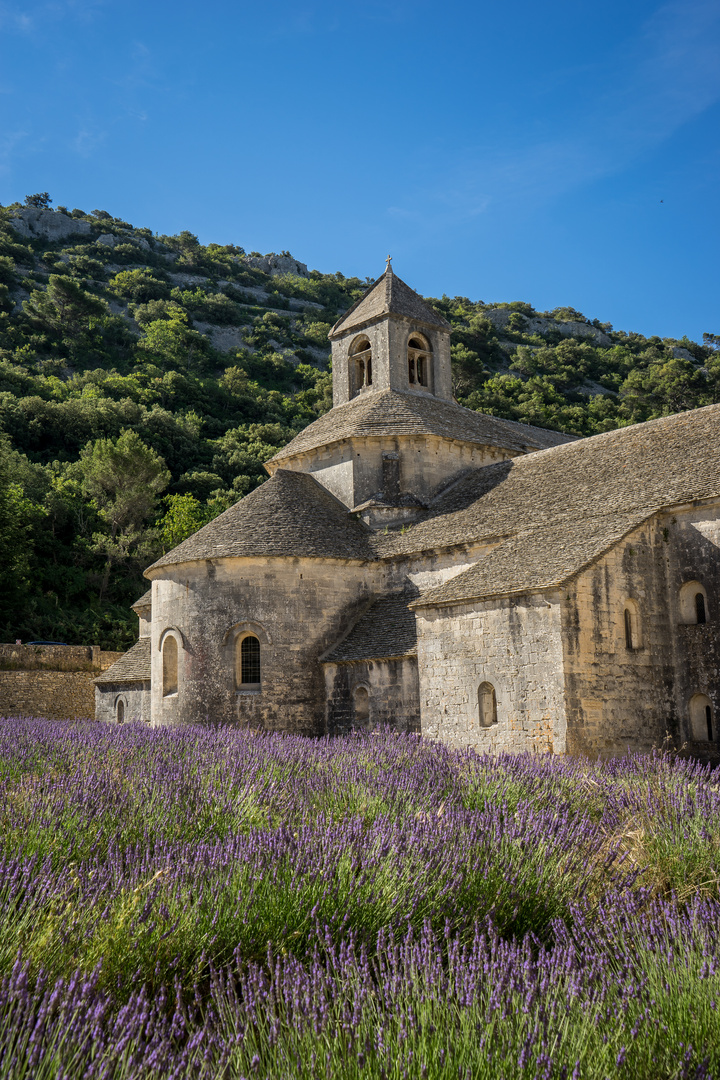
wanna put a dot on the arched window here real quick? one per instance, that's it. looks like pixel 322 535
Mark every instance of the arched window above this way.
pixel 701 718
pixel 361 705
pixel 170 665
pixel 700 612
pixel 419 360
pixel 247 662
pixel 487 705
pixel 120 710
pixel 693 603
pixel 360 359
pixel 631 616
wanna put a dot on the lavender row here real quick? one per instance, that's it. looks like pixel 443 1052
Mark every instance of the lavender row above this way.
pixel 633 993
pixel 180 902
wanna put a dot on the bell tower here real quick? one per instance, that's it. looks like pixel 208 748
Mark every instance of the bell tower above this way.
pixel 395 435
pixel 391 340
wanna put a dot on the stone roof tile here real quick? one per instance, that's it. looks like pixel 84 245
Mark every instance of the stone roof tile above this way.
pixel 144 602
pixel 388 296
pixel 553 512
pixel 537 559
pixel 385 630
pixel 133 666
pixel 389 413
pixel 641 467
pixel 291 514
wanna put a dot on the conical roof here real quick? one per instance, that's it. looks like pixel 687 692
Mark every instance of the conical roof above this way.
pixel 290 515
pixel 388 296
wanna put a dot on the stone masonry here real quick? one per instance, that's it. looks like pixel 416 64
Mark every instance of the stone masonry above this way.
pixel 415 564
pixel 52 681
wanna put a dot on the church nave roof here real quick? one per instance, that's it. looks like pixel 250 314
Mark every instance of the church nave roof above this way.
pixel 556 510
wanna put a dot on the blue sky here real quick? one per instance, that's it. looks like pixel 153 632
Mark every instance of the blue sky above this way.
pixel 559 153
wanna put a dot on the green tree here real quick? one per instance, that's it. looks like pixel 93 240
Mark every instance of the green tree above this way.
pixel 664 386
pixel 41 200
pixel 171 343
pixel 64 308
pixel 468 370
pixel 185 515
pixel 123 478
pixel 138 286
pixel 19 517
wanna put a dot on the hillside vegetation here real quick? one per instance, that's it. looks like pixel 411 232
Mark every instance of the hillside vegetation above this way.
pixel 145 379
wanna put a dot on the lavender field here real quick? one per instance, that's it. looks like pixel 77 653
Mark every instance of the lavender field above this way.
pixel 208 903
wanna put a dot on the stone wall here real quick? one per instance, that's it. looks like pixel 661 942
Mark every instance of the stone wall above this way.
pixel 692 540
pixel 393 693
pixel 388 337
pixel 134 696
pixel 56 658
pixel 619 698
pixel 297 608
pixel 513 643
pixel 53 681
pixel 353 469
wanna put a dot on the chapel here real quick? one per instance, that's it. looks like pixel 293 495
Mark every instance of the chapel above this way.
pixel 412 563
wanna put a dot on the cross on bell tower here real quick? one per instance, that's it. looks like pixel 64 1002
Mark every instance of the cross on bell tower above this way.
pixel 390 339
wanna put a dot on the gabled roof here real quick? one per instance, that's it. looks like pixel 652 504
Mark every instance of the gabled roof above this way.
pixel 387 413
pixel 133 666
pixel 551 513
pixel 384 632
pixel 388 296
pixel 291 514
pixel 642 467
pixel 535 560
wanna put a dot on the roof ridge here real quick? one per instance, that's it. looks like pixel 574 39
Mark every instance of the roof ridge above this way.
pixel 357 304
pixel 620 432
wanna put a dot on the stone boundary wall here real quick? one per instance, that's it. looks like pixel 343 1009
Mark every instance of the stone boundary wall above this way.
pixel 52 681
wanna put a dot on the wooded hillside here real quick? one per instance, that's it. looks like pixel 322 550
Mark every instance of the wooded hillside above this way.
pixel 145 379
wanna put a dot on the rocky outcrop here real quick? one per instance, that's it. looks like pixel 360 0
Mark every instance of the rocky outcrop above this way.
pixel 500 317
pixel 33 222
pixel 111 240
pixel 275 265
pixel 682 354
pixel 222 338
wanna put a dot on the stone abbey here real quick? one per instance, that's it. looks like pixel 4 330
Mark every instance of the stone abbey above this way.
pixel 412 563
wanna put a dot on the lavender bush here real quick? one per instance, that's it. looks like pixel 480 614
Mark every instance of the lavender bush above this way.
pixel 209 903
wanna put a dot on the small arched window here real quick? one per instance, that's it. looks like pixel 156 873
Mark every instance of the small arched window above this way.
pixel 360 364
pixel 247 662
pixel 120 711
pixel 170 666
pixel 693 603
pixel 487 705
pixel 631 616
pixel 361 705
pixel 700 613
pixel 701 718
pixel 419 359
